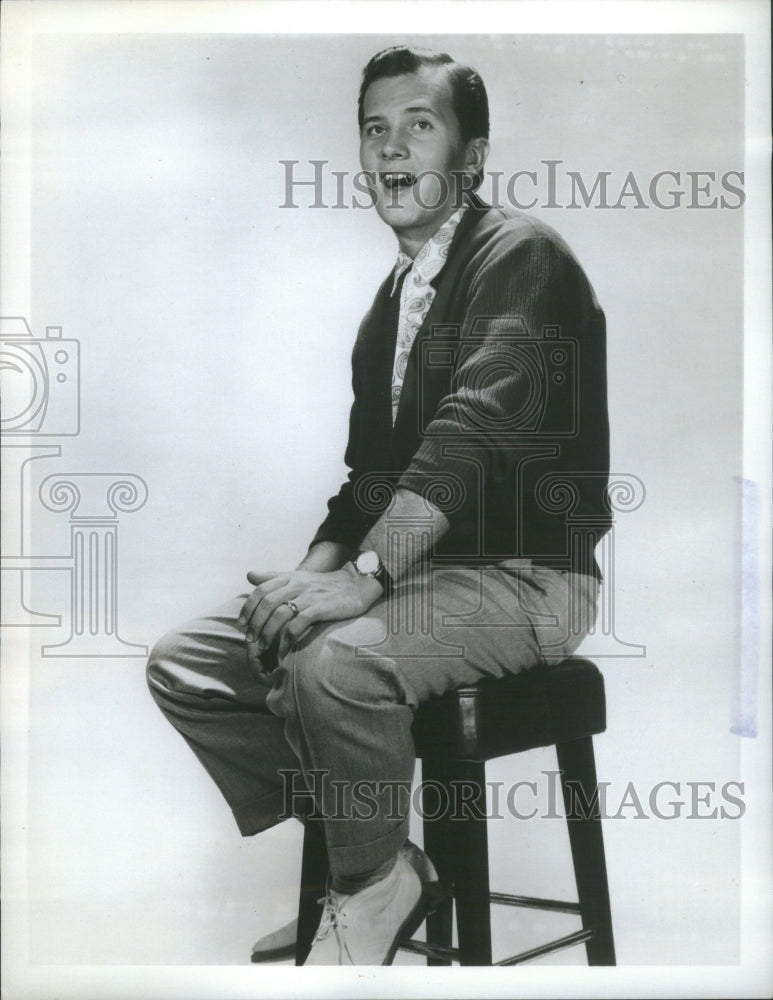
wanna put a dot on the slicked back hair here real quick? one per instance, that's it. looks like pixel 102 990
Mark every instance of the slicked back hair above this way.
pixel 468 94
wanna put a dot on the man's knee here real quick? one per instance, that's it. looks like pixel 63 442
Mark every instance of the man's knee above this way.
pixel 298 673
pixel 162 672
pixel 331 671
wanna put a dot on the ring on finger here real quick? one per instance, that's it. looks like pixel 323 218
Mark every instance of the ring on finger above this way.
pixel 293 607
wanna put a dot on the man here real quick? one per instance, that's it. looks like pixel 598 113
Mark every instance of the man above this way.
pixel 446 557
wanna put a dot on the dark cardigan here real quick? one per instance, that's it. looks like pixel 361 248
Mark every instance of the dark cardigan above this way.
pixel 502 422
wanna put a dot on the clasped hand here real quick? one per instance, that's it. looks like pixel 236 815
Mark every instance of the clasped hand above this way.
pixel 319 597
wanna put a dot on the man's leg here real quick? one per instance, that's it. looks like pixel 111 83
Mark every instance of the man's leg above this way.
pixel 200 678
pixel 348 690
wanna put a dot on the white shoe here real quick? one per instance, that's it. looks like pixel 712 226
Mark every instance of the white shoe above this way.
pixel 280 944
pixel 364 928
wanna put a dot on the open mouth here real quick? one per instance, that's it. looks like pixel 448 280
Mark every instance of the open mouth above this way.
pixel 397 179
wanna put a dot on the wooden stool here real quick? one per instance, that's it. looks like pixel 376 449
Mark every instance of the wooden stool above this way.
pixel 561 706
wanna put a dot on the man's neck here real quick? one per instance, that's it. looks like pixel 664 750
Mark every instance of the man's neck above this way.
pixel 412 241
pixel 410 245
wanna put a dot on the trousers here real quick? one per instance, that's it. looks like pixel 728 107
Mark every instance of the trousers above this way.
pixel 333 720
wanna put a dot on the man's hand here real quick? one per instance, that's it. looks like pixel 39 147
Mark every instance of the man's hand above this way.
pixel 319 597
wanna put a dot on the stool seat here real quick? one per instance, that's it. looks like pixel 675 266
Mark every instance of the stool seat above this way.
pixel 540 707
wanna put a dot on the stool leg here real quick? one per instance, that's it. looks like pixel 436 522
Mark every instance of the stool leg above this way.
pixel 435 803
pixel 469 857
pixel 314 869
pixel 577 764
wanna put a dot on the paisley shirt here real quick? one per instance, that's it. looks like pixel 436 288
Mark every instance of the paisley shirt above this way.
pixel 417 294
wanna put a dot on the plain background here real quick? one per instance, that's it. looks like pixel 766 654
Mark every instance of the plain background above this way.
pixel 215 332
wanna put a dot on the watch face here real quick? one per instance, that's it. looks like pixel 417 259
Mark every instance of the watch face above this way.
pixel 368 562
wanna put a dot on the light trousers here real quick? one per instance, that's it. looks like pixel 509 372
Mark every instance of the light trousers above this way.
pixel 334 718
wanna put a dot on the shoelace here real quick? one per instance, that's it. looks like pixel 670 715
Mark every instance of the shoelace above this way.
pixel 329 919
pixel 331 922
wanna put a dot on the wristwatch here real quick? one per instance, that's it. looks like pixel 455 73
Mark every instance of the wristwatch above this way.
pixel 368 563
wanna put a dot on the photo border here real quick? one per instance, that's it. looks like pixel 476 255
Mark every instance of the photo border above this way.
pixel 21 20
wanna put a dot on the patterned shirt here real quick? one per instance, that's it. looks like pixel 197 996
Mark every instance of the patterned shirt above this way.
pixel 417 294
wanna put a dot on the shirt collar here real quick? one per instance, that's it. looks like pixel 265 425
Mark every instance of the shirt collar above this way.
pixel 430 259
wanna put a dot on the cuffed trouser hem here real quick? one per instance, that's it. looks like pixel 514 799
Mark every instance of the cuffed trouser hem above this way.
pixel 261 815
pixel 354 859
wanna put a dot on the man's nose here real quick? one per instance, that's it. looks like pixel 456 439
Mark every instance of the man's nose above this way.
pixel 394 147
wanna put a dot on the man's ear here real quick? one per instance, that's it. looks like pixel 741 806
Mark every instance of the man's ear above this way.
pixel 476 155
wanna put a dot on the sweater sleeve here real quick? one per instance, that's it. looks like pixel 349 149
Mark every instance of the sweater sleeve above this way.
pixel 346 522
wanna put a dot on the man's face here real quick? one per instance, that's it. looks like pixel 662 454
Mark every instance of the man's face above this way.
pixel 411 141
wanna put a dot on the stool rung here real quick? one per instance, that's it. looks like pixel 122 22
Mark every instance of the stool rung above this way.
pixel 534 903
pixel 430 950
pixel 545 949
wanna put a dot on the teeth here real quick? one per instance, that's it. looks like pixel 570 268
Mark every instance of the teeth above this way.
pixel 393 180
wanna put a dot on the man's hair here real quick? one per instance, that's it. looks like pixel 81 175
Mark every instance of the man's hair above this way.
pixel 468 94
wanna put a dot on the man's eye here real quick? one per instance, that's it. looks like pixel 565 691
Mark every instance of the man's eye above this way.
pixel 374 130
pixel 422 125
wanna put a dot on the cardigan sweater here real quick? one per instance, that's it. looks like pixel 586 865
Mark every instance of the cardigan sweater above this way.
pixel 502 422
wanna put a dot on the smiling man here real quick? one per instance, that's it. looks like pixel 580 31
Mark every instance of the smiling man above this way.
pixel 479 395
pixel 418 152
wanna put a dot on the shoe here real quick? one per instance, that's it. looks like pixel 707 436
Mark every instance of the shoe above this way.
pixel 420 863
pixel 281 944
pixel 277 945
pixel 364 928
